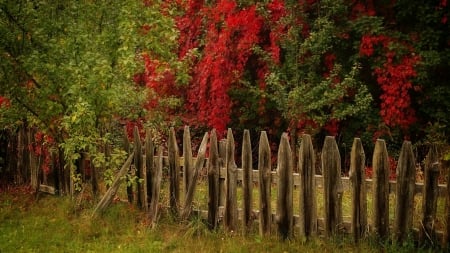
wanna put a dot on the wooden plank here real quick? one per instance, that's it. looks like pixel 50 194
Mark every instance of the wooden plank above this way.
pixel 140 173
pixel 307 188
pixel 285 208
pixel 149 151
pixel 247 181
pixel 346 183
pixel 47 189
pixel 156 172
pixel 201 154
pixel 109 195
pixel 231 215
pixel 213 182
pixel 333 189
pixel 174 185
pixel 264 176
pixel 380 190
pixel 187 160
pixel 34 170
pixel 359 196
pixel 404 204
pixel 222 171
pixel 430 195
pixel 126 146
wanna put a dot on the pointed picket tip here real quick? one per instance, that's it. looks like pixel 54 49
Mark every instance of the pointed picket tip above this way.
pixel 263 142
pixel 213 149
pixel 246 143
pixel 330 144
pixel 230 145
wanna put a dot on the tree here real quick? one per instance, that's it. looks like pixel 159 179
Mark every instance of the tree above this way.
pixel 67 67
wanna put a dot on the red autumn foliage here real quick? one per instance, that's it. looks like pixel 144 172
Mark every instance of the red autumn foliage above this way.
pixel 4 102
pixel 41 148
pixel 394 77
pixel 392 169
pixel 226 35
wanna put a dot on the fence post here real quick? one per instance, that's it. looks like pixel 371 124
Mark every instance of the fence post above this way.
pixel 359 197
pixel 264 170
pixel 138 165
pixel 149 164
pixel 308 205
pixel 201 154
pixel 231 212
pixel 156 186
pixel 285 210
pixel 213 182
pixel 406 182
pixel 126 144
pixel 187 163
pixel 247 180
pixel 333 189
pixel 34 170
pixel 430 194
pixel 174 192
pixel 222 178
pixel 107 198
pixel 380 190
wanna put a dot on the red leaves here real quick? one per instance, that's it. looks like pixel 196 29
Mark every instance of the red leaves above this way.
pixel 394 77
pixel 4 102
pixel 231 33
pixel 41 147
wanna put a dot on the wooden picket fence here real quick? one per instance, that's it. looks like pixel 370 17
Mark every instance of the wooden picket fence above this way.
pixel 224 178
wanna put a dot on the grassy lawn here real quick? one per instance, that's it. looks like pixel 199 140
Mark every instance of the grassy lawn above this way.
pixel 57 224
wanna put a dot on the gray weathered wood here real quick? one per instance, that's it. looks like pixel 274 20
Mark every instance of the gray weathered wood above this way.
pixel 156 172
pixel 149 163
pixel 126 146
pixel 223 176
pixel 199 162
pixel 34 170
pixel 187 154
pixel 174 184
pixel 247 182
pixel 430 194
pixel 333 190
pixel 213 182
pixel 307 188
pixel 47 189
pixel 231 211
pixel 380 190
pixel 285 208
pixel 404 204
pixel 140 173
pixel 19 174
pixel 359 194
pixel 109 195
pixel 264 172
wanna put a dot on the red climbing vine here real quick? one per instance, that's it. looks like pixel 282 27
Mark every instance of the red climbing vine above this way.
pixel 394 76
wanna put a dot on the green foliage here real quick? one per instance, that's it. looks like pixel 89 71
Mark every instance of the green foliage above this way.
pixel 305 88
pixel 67 66
pixel 29 225
pixel 322 103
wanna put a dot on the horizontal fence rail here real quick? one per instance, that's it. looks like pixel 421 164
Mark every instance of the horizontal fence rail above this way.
pixel 285 202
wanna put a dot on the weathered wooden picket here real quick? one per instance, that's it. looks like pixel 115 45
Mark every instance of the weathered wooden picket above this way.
pixel 223 176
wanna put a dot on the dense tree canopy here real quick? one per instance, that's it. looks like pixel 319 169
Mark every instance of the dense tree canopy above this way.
pixel 345 68
pixel 67 67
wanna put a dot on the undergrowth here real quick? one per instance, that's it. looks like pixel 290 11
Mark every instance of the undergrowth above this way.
pixel 55 224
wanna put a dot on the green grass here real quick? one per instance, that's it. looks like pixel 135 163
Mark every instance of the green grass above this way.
pixel 56 224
